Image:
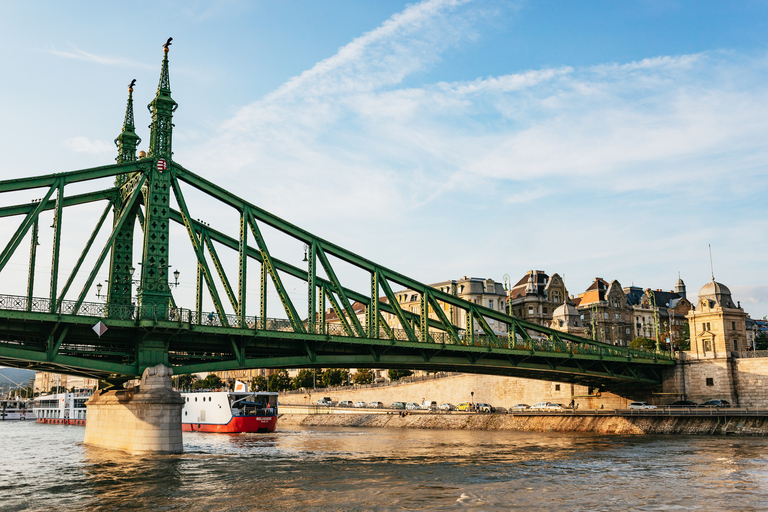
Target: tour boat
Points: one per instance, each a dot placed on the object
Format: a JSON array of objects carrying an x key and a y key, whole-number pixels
[
  {"x": 62, "y": 408},
  {"x": 229, "y": 411},
  {"x": 16, "y": 409}
]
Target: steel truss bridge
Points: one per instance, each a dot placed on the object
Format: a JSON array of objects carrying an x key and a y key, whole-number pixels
[{"x": 55, "y": 332}]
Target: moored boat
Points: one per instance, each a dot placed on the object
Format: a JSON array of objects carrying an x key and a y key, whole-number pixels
[
  {"x": 16, "y": 409},
  {"x": 229, "y": 411},
  {"x": 62, "y": 408}
]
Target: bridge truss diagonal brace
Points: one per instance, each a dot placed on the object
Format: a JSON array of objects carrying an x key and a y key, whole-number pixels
[
  {"x": 27, "y": 223},
  {"x": 83, "y": 254},
  {"x": 107, "y": 247},
  {"x": 339, "y": 313},
  {"x": 220, "y": 270},
  {"x": 451, "y": 329},
  {"x": 267, "y": 263},
  {"x": 395, "y": 305},
  {"x": 348, "y": 309},
  {"x": 197, "y": 246}
]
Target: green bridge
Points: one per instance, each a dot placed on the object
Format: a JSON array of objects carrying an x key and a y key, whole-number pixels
[{"x": 138, "y": 323}]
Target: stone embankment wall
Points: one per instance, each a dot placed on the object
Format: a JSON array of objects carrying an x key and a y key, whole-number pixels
[
  {"x": 492, "y": 389},
  {"x": 598, "y": 424},
  {"x": 742, "y": 381}
]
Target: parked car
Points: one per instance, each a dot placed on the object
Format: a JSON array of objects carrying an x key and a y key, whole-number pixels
[
  {"x": 412, "y": 406},
  {"x": 716, "y": 403},
  {"x": 346, "y": 403},
  {"x": 520, "y": 407},
  {"x": 464, "y": 407},
  {"x": 376, "y": 405},
  {"x": 325, "y": 402},
  {"x": 481, "y": 407},
  {"x": 360, "y": 404},
  {"x": 429, "y": 405},
  {"x": 397, "y": 405},
  {"x": 640, "y": 405},
  {"x": 539, "y": 406},
  {"x": 683, "y": 403},
  {"x": 554, "y": 407},
  {"x": 446, "y": 407}
]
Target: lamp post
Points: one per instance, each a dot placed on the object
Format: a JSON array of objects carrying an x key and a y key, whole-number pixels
[{"x": 472, "y": 394}]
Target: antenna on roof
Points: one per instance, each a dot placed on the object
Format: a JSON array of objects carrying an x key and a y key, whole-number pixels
[{"x": 711, "y": 268}]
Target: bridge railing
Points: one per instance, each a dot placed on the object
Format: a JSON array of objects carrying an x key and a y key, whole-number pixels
[{"x": 187, "y": 316}]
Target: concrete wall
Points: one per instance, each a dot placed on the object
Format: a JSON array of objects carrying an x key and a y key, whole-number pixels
[
  {"x": 495, "y": 390},
  {"x": 741, "y": 381}
]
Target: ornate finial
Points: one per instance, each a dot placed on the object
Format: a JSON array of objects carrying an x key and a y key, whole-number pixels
[
  {"x": 162, "y": 108},
  {"x": 127, "y": 141}
]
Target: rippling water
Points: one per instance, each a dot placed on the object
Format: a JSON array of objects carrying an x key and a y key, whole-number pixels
[{"x": 46, "y": 467}]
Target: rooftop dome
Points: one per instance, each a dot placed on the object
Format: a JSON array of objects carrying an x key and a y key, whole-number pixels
[
  {"x": 714, "y": 288},
  {"x": 565, "y": 309},
  {"x": 717, "y": 294}
]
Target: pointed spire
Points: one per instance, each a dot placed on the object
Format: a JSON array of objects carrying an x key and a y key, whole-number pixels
[
  {"x": 127, "y": 141},
  {"x": 162, "y": 108}
]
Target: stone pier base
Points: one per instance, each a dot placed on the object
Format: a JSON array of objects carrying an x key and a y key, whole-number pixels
[{"x": 147, "y": 421}]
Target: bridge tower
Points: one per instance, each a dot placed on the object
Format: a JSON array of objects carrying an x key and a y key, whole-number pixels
[{"x": 121, "y": 256}]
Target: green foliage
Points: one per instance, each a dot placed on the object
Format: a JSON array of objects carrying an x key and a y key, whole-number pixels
[
  {"x": 363, "y": 376},
  {"x": 279, "y": 381},
  {"x": 643, "y": 343},
  {"x": 335, "y": 377},
  {"x": 259, "y": 383},
  {"x": 761, "y": 342},
  {"x": 185, "y": 381},
  {"x": 305, "y": 379},
  {"x": 398, "y": 374},
  {"x": 212, "y": 381}
]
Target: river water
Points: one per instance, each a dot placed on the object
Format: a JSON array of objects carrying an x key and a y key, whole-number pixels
[{"x": 46, "y": 467}]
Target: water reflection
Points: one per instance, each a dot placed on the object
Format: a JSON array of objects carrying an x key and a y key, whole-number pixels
[{"x": 297, "y": 469}]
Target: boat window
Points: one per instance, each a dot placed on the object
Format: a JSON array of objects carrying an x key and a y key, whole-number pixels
[{"x": 195, "y": 399}]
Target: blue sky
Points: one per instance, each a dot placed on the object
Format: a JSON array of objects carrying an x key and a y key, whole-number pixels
[{"x": 440, "y": 138}]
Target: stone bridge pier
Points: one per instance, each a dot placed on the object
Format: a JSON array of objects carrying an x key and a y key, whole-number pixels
[{"x": 144, "y": 421}]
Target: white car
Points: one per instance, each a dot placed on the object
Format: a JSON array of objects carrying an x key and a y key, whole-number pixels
[
  {"x": 539, "y": 406},
  {"x": 412, "y": 406},
  {"x": 376, "y": 405},
  {"x": 640, "y": 405},
  {"x": 360, "y": 405},
  {"x": 446, "y": 407}
]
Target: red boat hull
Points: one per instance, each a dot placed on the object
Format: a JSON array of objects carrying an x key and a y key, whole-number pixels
[
  {"x": 238, "y": 424},
  {"x": 61, "y": 421}
]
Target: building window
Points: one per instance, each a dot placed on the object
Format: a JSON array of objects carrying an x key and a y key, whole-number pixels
[
  {"x": 490, "y": 303},
  {"x": 710, "y": 381},
  {"x": 557, "y": 387},
  {"x": 605, "y": 315},
  {"x": 733, "y": 325},
  {"x": 707, "y": 345},
  {"x": 627, "y": 330},
  {"x": 708, "y": 328},
  {"x": 545, "y": 311},
  {"x": 530, "y": 310}
]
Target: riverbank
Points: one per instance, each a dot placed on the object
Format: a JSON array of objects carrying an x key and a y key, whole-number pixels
[{"x": 675, "y": 425}]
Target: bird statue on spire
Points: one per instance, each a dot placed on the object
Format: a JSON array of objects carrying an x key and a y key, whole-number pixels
[
  {"x": 130, "y": 86},
  {"x": 167, "y": 43}
]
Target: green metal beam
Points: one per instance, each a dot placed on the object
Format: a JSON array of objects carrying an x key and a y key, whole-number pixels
[
  {"x": 336, "y": 284},
  {"x": 69, "y": 177}
]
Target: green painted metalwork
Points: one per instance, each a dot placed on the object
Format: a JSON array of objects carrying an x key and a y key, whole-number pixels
[
  {"x": 54, "y": 333},
  {"x": 32, "y": 259}
]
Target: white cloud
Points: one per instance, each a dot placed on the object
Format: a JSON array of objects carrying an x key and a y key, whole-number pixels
[
  {"x": 92, "y": 147},
  {"x": 78, "y": 54}
]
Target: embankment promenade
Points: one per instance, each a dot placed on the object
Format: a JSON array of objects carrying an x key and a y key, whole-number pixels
[{"x": 714, "y": 422}]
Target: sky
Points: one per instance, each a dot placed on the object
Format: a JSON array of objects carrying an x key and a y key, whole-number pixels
[{"x": 441, "y": 138}]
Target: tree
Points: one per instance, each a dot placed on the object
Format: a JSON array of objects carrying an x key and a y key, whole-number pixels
[
  {"x": 398, "y": 374},
  {"x": 185, "y": 381},
  {"x": 363, "y": 376},
  {"x": 259, "y": 382},
  {"x": 761, "y": 342},
  {"x": 335, "y": 377},
  {"x": 685, "y": 340},
  {"x": 212, "y": 381},
  {"x": 279, "y": 381},
  {"x": 643, "y": 343},
  {"x": 304, "y": 379}
]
